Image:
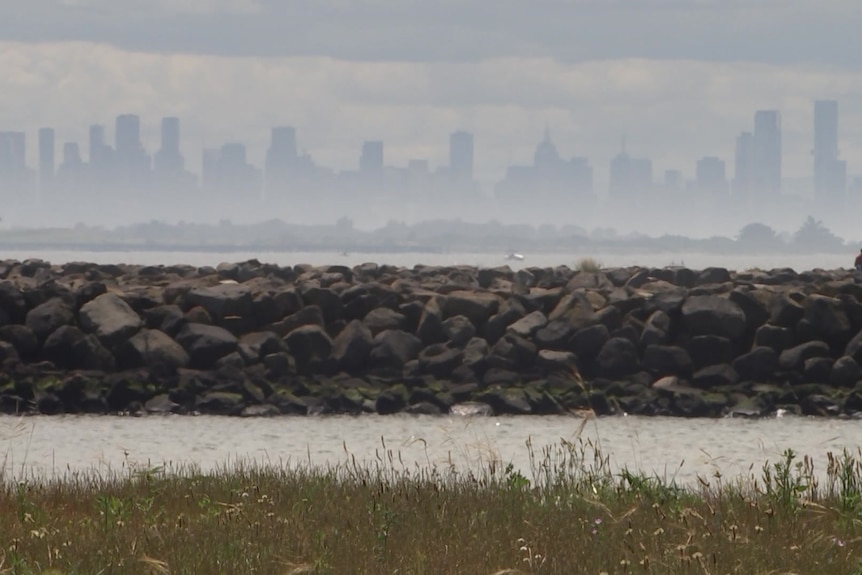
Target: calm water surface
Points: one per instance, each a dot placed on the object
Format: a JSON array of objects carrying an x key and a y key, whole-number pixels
[
  {"x": 671, "y": 447},
  {"x": 799, "y": 262}
]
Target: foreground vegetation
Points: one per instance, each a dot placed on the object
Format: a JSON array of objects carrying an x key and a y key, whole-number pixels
[{"x": 571, "y": 514}]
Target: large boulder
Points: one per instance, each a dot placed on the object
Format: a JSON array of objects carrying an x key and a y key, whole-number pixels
[
  {"x": 153, "y": 348},
  {"x": 528, "y": 325},
  {"x": 667, "y": 360},
  {"x": 656, "y": 330},
  {"x": 706, "y": 350},
  {"x": 307, "y": 344},
  {"x": 12, "y": 302},
  {"x": 478, "y": 307},
  {"x": 22, "y": 338},
  {"x": 394, "y": 348},
  {"x": 110, "y": 318},
  {"x": 555, "y": 335},
  {"x": 713, "y": 315},
  {"x": 352, "y": 346},
  {"x": 827, "y": 318},
  {"x": 46, "y": 318},
  {"x": 845, "y": 372},
  {"x": 589, "y": 341},
  {"x": 69, "y": 348},
  {"x": 617, "y": 358},
  {"x": 774, "y": 336},
  {"x": 430, "y": 329},
  {"x": 384, "y": 318},
  {"x": 757, "y": 365},
  {"x": 206, "y": 344},
  {"x": 222, "y": 300},
  {"x": 459, "y": 330},
  {"x": 793, "y": 359},
  {"x": 510, "y": 311}
]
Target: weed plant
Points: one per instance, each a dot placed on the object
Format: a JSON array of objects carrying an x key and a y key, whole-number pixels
[
  {"x": 568, "y": 514},
  {"x": 590, "y": 265}
]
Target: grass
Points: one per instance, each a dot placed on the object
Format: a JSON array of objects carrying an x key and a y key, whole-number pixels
[
  {"x": 590, "y": 265},
  {"x": 568, "y": 514}
]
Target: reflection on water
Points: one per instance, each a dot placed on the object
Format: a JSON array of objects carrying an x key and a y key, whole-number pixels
[{"x": 680, "y": 448}]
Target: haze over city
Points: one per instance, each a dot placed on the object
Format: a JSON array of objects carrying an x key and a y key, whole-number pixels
[{"x": 677, "y": 81}]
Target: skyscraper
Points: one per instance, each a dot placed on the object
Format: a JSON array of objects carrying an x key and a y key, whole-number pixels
[
  {"x": 371, "y": 160},
  {"x": 132, "y": 161},
  {"x": 461, "y": 155},
  {"x": 169, "y": 162},
  {"x": 13, "y": 153},
  {"x": 281, "y": 159},
  {"x": 830, "y": 173},
  {"x": 743, "y": 168},
  {"x": 100, "y": 154},
  {"x": 766, "y": 153},
  {"x": 46, "y": 157}
]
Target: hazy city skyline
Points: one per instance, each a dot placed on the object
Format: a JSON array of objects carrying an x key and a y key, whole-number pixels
[
  {"x": 755, "y": 169},
  {"x": 680, "y": 79}
]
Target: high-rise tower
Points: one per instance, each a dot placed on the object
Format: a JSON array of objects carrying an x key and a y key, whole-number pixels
[{"x": 830, "y": 173}]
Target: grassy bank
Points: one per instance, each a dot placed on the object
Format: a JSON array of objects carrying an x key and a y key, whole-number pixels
[{"x": 571, "y": 514}]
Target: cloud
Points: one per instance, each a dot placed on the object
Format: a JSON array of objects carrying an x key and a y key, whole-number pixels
[
  {"x": 673, "y": 111},
  {"x": 774, "y": 31}
]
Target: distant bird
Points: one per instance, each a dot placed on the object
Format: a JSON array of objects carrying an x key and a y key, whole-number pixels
[{"x": 515, "y": 256}]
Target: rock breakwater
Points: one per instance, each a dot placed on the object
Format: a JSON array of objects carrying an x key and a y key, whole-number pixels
[{"x": 256, "y": 339}]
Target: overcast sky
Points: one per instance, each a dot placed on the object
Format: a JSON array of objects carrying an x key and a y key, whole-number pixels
[{"x": 681, "y": 78}]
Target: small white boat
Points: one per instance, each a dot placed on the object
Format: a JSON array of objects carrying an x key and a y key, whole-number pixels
[{"x": 515, "y": 256}]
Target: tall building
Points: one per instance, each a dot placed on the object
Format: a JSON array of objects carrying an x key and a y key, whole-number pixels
[
  {"x": 766, "y": 153},
  {"x": 711, "y": 176},
  {"x": 100, "y": 153},
  {"x": 281, "y": 159},
  {"x": 830, "y": 173},
  {"x": 744, "y": 165},
  {"x": 13, "y": 153},
  {"x": 550, "y": 181},
  {"x": 371, "y": 160},
  {"x": 132, "y": 161},
  {"x": 47, "y": 160},
  {"x": 630, "y": 177},
  {"x": 461, "y": 155},
  {"x": 168, "y": 162}
]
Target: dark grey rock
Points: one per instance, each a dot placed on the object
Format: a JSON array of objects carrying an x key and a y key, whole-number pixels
[
  {"x": 618, "y": 358},
  {"x": 46, "y": 318},
  {"x": 394, "y": 348},
  {"x": 706, "y": 350},
  {"x": 352, "y": 347},
  {"x": 153, "y": 348},
  {"x": 719, "y": 375},
  {"x": 667, "y": 360},
  {"x": 555, "y": 335},
  {"x": 757, "y": 365},
  {"x": 383, "y": 318},
  {"x": 588, "y": 342},
  {"x": 777, "y": 337},
  {"x": 110, "y": 318},
  {"x": 713, "y": 315},
  {"x": 818, "y": 369},
  {"x": 206, "y": 344},
  {"x": 440, "y": 360},
  {"x": 222, "y": 300},
  {"x": 22, "y": 338},
  {"x": 430, "y": 329},
  {"x": 845, "y": 372},
  {"x": 477, "y": 306},
  {"x": 528, "y": 325},
  {"x": 793, "y": 359},
  {"x": 459, "y": 330}
]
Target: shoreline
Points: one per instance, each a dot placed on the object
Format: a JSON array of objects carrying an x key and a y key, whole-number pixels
[{"x": 257, "y": 339}]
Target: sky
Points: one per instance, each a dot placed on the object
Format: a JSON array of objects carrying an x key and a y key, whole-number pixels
[{"x": 679, "y": 78}]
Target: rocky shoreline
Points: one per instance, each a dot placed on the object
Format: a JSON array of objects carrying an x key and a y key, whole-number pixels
[{"x": 254, "y": 339}]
